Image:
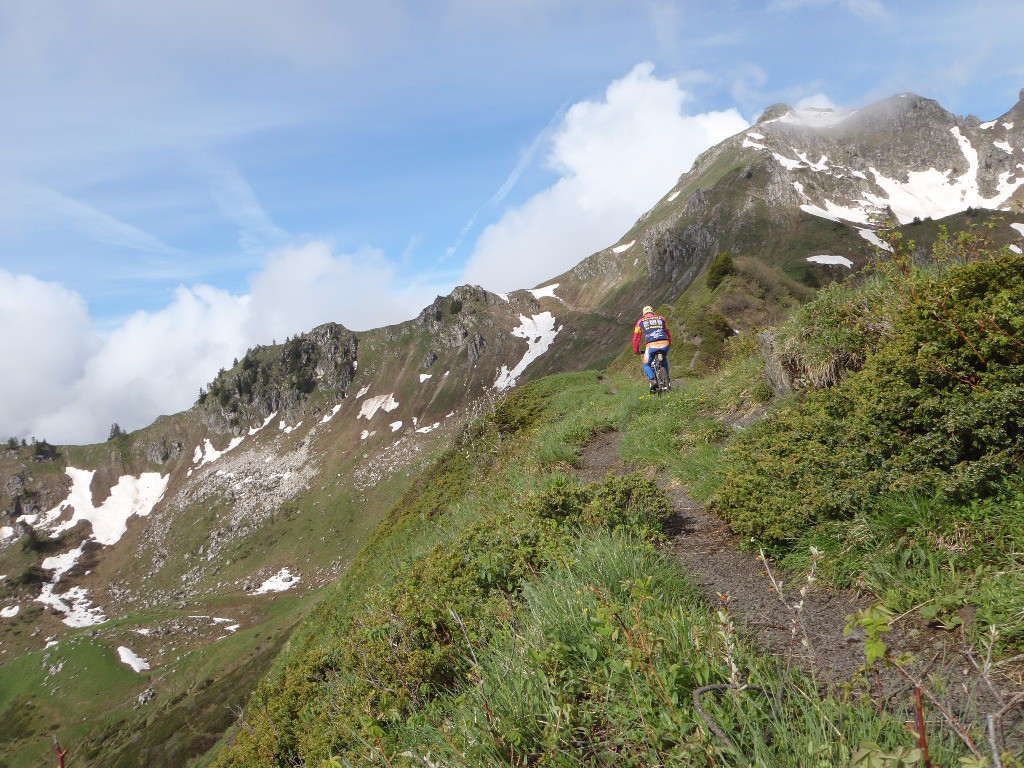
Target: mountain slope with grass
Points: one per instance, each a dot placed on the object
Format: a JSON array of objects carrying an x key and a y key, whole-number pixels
[{"x": 322, "y": 489}]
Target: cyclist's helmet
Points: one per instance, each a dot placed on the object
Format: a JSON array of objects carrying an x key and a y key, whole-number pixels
[{"x": 648, "y": 310}]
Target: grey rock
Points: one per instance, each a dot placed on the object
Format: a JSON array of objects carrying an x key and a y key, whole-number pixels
[{"x": 778, "y": 377}]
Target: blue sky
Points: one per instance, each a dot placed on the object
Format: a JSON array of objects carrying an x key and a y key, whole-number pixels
[{"x": 179, "y": 181}]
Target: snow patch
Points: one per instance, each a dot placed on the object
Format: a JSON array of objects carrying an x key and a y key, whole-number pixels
[
  {"x": 547, "y": 290},
  {"x": 431, "y": 428},
  {"x": 10, "y": 611},
  {"x": 209, "y": 454},
  {"x": 1016, "y": 249},
  {"x": 874, "y": 239},
  {"x": 386, "y": 403},
  {"x": 539, "y": 332},
  {"x": 624, "y": 247},
  {"x": 395, "y": 426},
  {"x": 132, "y": 659},
  {"x": 821, "y": 165},
  {"x": 986, "y": 126},
  {"x": 1003, "y": 145},
  {"x": 785, "y": 162},
  {"x": 61, "y": 564},
  {"x": 819, "y": 212},
  {"x": 289, "y": 430},
  {"x": 367, "y": 434},
  {"x": 673, "y": 196},
  {"x": 362, "y": 391},
  {"x": 131, "y": 496},
  {"x": 279, "y": 582},
  {"x": 254, "y": 430},
  {"x": 1008, "y": 126},
  {"x": 425, "y": 376},
  {"x": 831, "y": 260},
  {"x": 1019, "y": 228},
  {"x": 932, "y": 193},
  {"x": 328, "y": 416},
  {"x": 834, "y": 212},
  {"x": 75, "y": 604}
]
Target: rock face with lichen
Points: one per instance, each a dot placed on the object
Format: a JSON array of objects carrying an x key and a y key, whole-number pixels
[{"x": 278, "y": 379}]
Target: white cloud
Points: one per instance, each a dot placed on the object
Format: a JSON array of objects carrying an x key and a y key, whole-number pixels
[
  {"x": 67, "y": 385},
  {"x": 818, "y": 101},
  {"x": 305, "y": 286},
  {"x": 615, "y": 158},
  {"x": 46, "y": 341},
  {"x": 235, "y": 198},
  {"x": 91, "y": 221}
]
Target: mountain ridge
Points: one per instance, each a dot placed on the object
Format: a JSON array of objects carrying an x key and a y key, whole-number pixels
[{"x": 292, "y": 456}]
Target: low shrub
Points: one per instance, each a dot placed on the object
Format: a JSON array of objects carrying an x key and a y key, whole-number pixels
[{"x": 939, "y": 407}]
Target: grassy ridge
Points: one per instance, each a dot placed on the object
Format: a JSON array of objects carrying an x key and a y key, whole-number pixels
[{"x": 508, "y": 614}]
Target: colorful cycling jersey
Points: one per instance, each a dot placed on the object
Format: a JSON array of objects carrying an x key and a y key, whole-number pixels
[{"x": 653, "y": 328}]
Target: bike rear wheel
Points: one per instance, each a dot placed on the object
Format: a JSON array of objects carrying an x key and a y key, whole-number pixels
[{"x": 660, "y": 376}]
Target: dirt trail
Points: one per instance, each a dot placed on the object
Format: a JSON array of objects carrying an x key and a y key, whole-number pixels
[{"x": 708, "y": 550}]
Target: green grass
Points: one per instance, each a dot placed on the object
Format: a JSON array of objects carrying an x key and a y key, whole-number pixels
[
  {"x": 507, "y": 614},
  {"x": 80, "y": 691},
  {"x": 600, "y": 667}
]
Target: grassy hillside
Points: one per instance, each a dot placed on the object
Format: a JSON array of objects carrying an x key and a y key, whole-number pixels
[{"x": 508, "y": 613}]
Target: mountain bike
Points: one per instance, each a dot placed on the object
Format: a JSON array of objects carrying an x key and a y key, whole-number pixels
[{"x": 660, "y": 372}]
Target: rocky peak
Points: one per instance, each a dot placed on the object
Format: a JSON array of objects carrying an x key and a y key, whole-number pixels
[
  {"x": 774, "y": 112},
  {"x": 281, "y": 377}
]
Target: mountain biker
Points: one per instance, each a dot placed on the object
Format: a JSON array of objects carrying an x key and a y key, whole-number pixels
[{"x": 653, "y": 331}]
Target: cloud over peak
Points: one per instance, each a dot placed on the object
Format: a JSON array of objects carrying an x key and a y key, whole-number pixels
[{"x": 615, "y": 158}]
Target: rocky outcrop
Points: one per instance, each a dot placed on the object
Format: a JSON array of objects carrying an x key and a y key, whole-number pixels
[
  {"x": 447, "y": 317},
  {"x": 775, "y": 371},
  {"x": 280, "y": 378}
]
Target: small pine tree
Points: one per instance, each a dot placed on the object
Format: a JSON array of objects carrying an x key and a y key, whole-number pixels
[
  {"x": 721, "y": 267},
  {"x": 115, "y": 431}
]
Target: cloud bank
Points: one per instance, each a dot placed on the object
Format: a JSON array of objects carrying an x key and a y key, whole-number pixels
[
  {"x": 68, "y": 384},
  {"x": 615, "y": 159}
]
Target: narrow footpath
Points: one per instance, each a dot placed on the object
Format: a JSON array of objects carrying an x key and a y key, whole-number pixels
[{"x": 709, "y": 552}]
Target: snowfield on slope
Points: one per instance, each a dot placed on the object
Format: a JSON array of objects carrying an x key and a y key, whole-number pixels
[
  {"x": 840, "y": 261},
  {"x": 386, "y": 403},
  {"x": 547, "y": 290},
  {"x": 279, "y": 582},
  {"x": 539, "y": 332},
  {"x": 109, "y": 521},
  {"x": 931, "y": 193},
  {"x": 132, "y": 659}
]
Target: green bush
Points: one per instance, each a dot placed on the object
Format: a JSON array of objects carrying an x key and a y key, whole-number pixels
[
  {"x": 939, "y": 406},
  {"x": 721, "y": 267}
]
